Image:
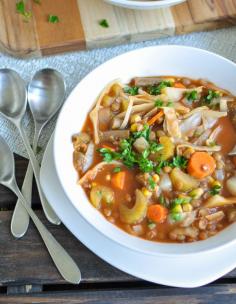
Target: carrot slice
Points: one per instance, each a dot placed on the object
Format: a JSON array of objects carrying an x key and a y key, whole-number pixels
[
  {"x": 201, "y": 164},
  {"x": 157, "y": 213},
  {"x": 118, "y": 180},
  {"x": 179, "y": 85},
  {"x": 155, "y": 118}
]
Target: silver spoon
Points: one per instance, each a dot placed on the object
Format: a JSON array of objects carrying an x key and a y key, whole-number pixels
[
  {"x": 64, "y": 263},
  {"x": 13, "y": 101},
  {"x": 46, "y": 93}
]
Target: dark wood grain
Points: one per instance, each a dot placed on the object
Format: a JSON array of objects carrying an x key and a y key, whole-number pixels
[
  {"x": 7, "y": 198},
  {"x": 219, "y": 294},
  {"x": 26, "y": 261}
]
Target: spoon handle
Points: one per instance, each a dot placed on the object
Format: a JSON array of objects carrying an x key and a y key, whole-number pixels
[
  {"x": 64, "y": 263},
  {"x": 50, "y": 214},
  {"x": 20, "y": 217}
]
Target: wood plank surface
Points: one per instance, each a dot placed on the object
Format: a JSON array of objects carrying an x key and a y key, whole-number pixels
[
  {"x": 212, "y": 294},
  {"x": 79, "y": 27}
]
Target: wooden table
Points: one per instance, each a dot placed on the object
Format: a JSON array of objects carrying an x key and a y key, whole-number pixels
[{"x": 27, "y": 274}]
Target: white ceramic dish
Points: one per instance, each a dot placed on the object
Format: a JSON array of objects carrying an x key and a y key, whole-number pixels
[
  {"x": 144, "y": 5},
  {"x": 179, "y": 271},
  {"x": 160, "y": 60}
]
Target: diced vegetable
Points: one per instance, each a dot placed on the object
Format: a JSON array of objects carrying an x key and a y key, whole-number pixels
[
  {"x": 155, "y": 118},
  {"x": 168, "y": 148},
  {"x": 201, "y": 164},
  {"x": 118, "y": 180},
  {"x": 182, "y": 181},
  {"x": 219, "y": 201},
  {"x": 179, "y": 85},
  {"x": 231, "y": 185},
  {"x": 100, "y": 194},
  {"x": 157, "y": 213},
  {"x": 196, "y": 193},
  {"x": 141, "y": 144},
  {"x": 137, "y": 213}
]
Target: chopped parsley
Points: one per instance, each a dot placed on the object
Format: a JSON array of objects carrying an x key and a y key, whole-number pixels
[
  {"x": 179, "y": 162},
  {"x": 210, "y": 96},
  {"x": 116, "y": 169},
  {"x": 145, "y": 132},
  {"x": 159, "y": 103},
  {"x": 161, "y": 164},
  {"x": 191, "y": 96},
  {"x": 155, "y": 147},
  {"x": 104, "y": 23},
  {"x": 21, "y": 9},
  {"x": 170, "y": 104},
  {"x": 156, "y": 89},
  {"x": 151, "y": 183},
  {"x": 53, "y": 19},
  {"x": 131, "y": 90},
  {"x": 215, "y": 190}
]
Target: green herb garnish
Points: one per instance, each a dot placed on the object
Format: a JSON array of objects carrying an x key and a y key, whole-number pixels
[
  {"x": 117, "y": 169},
  {"x": 20, "y": 8},
  {"x": 104, "y": 23},
  {"x": 191, "y": 96},
  {"x": 211, "y": 95},
  {"x": 131, "y": 90},
  {"x": 162, "y": 200},
  {"x": 155, "y": 147},
  {"x": 144, "y": 133},
  {"x": 53, "y": 19},
  {"x": 215, "y": 190},
  {"x": 170, "y": 104},
  {"x": 151, "y": 183},
  {"x": 179, "y": 162},
  {"x": 159, "y": 103},
  {"x": 156, "y": 89}
]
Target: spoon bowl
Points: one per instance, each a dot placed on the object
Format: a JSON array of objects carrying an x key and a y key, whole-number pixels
[
  {"x": 46, "y": 93},
  {"x": 13, "y": 96}
]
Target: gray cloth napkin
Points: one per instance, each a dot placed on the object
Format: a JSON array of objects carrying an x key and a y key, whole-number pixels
[{"x": 74, "y": 66}]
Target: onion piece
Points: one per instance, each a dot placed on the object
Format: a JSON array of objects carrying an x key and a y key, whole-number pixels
[
  {"x": 219, "y": 201},
  {"x": 165, "y": 183},
  {"x": 89, "y": 157}
]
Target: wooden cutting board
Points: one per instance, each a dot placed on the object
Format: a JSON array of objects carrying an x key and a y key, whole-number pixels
[{"x": 79, "y": 27}]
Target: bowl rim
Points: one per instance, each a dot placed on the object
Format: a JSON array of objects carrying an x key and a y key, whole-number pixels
[
  {"x": 189, "y": 246},
  {"x": 144, "y": 4}
]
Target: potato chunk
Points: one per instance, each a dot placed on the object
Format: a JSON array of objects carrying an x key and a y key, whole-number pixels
[{"x": 182, "y": 181}]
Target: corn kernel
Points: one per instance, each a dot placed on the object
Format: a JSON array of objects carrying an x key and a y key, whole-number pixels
[
  {"x": 94, "y": 184},
  {"x": 133, "y": 127},
  {"x": 146, "y": 192},
  {"x": 187, "y": 207},
  {"x": 156, "y": 178},
  {"x": 196, "y": 193},
  {"x": 135, "y": 118},
  {"x": 177, "y": 209}
]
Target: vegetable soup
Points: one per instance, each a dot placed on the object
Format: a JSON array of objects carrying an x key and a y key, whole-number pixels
[{"x": 157, "y": 157}]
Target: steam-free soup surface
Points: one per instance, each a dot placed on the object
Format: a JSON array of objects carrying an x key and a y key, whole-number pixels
[{"x": 156, "y": 158}]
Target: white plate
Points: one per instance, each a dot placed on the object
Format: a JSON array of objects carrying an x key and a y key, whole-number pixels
[
  {"x": 178, "y": 271},
  {"x": 144, "y": 4}
]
